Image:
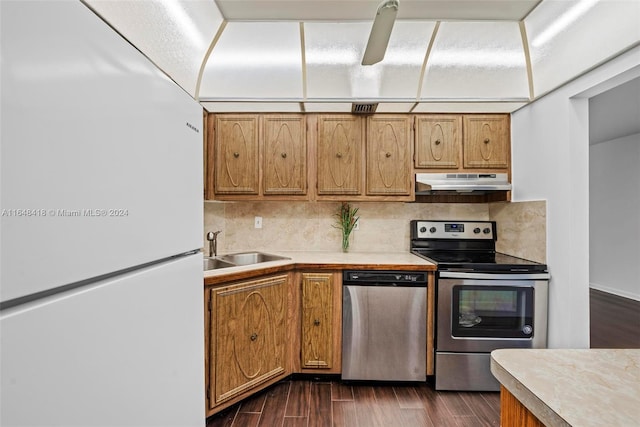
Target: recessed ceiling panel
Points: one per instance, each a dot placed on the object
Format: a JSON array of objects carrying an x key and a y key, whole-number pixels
[
  {"x": 174, "y": 34},
  {"x": 255, "y": 60},
  {"x": 331, "y": 10},
  {"x": 334, "y": 55},
  {"x": 568, "y": 38},
  {"x": 470, "y": 10},
  {"x": 476, "y": 60}
]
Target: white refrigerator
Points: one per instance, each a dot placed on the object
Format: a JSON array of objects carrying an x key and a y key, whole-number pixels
[{"x": 101, "y": 297}]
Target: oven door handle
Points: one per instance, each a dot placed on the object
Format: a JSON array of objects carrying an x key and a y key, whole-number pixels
[{"x": 493, "y": 276}]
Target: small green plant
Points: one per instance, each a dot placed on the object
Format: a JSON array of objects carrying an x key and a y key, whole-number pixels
[{"x": 346, "y": 219}]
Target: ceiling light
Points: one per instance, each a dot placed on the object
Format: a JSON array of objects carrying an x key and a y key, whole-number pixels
[{"x": 380, "y": 32}]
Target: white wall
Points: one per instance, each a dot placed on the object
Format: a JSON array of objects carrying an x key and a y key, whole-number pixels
[
  {"x": 614, "y": 174},
  {"x": 550, "y": 155}
]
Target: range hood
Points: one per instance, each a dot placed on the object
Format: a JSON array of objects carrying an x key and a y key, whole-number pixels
[{"x": 465, "y": 183}]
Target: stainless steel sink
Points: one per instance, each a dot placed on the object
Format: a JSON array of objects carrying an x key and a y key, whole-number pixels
[
  {"x": 215, "y": 263},
  {"x": 243, "y": 258},
  {"x": 248, "y": 258}
]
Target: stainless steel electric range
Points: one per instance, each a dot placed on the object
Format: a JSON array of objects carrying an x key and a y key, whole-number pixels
[{"x": 485, "y": 300}]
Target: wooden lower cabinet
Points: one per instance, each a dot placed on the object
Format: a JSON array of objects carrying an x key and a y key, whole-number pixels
[
  {"x": 513, "y": 413},
  {"x": 320, "y": 320},
  {"x": 258, "y": 331},
  {"x": 248, "y": 338}
]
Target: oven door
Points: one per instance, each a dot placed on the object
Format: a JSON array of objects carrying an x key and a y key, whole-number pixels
[{"x": 480, "y": 312}]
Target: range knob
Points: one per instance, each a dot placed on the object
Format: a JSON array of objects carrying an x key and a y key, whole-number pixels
[
  {"x": 423, "y": 229},
  {"x": 486, "y": 230},
  {"x": 476, "y": 230},
  {"x": 432, "y": 230}
]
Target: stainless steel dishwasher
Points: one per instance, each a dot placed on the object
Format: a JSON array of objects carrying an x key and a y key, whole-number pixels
[{"x": 384, "y": 325}]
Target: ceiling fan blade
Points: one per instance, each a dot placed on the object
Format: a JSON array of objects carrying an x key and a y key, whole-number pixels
[{"x": 380, "y": 32}]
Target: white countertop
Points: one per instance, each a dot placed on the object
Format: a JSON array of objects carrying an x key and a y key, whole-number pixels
[
  {"x": 367, "y": 259},
  {"x": 564, "y": 387}
]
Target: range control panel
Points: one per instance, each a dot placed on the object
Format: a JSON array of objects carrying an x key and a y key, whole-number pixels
[{"x": 453, "y": 229}]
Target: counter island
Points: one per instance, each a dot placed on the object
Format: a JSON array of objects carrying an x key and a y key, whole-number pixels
[{"x": 565, "y": 387}]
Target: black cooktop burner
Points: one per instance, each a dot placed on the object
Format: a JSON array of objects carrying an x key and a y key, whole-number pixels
[
  {"x": 479, "y": 261},
  {"x": 444, "y": 257}
]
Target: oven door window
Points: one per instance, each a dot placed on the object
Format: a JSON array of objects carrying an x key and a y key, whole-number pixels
[{"x": 492, "y": 311}]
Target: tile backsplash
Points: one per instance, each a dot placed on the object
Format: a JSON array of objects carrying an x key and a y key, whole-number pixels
[
  {"x": 308, "y": 226},
  {"x": 522, "y": 228},
  {"x": 384, "y": 226}
]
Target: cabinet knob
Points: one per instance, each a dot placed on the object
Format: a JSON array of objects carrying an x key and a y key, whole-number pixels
[
  {"x": 486, "y": 141},
  {"x": 316, "y": 322},
  {"x": 284, "y": 155},
  {"x": 438, "y": 142},
  {"x": 338, "y": 155},
  {"x": 254, "y": 336},
  {"x": 236, "y": 155},
  {"x": 387, "y": 155}
]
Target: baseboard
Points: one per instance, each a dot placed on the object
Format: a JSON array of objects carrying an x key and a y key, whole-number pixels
[{"x": 624, "y": 294}]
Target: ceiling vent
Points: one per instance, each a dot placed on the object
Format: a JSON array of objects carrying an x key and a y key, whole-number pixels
[{"x": 368, "y": 108}]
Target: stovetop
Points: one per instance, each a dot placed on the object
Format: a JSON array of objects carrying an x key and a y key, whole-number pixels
[
  {"x": 479, "y": 261},
  {"x": 465, "y": 246}
]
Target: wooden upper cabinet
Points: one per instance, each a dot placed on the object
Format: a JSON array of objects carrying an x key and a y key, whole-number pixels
[
  {"x": 346, "y": 156},
  {"x": 317, "y": 321},
  {"x": 438, "y": 141},
  {"x": 236, "y": 154},
  {"x": 285, "y": 154},
  {"x": 389, "y": 155},
  {"x": 340, "y": 147},
  {"x": 486, "y": 142}
]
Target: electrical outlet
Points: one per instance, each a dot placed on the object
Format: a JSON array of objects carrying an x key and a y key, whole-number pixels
[
  {"x": 356, "y": 226},
  {"x": 258, "y": 222}
]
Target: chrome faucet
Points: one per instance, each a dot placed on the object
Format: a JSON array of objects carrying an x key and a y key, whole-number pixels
[{"x": 212, "y": 237}]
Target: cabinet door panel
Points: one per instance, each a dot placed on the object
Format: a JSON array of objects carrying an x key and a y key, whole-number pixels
[
  {"x": 389, "y": 156},
  {"x": 250, "y": 336},
  {"x": 438, "y": 141},
  {"x": 236, "y": 154},
  {"x": 340, "y": 155},
  {"x": 486, "y": 141},
  {"x": 285, "y": 155},
  {"x": 317, "y": 321}
]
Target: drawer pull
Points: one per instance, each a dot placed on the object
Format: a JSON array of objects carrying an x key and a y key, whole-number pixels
[
  {"x": 284, "y": 155},
  {"x": 316, "y": 322},
  {"x": 254, "y": 336},
  {"x": 438, "y": 142},
  {"x": 236, "y": 155},
  {"x": 486, "y": 141}
]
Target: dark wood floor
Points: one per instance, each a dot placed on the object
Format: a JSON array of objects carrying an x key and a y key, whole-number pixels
[
  {"x": 615, "y": 323},
  {"x": 614, "y": 320},
  {"x": 328, "y": 402}
]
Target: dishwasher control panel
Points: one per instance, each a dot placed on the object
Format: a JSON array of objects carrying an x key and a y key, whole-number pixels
[{"x": 382, "y": 278}]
